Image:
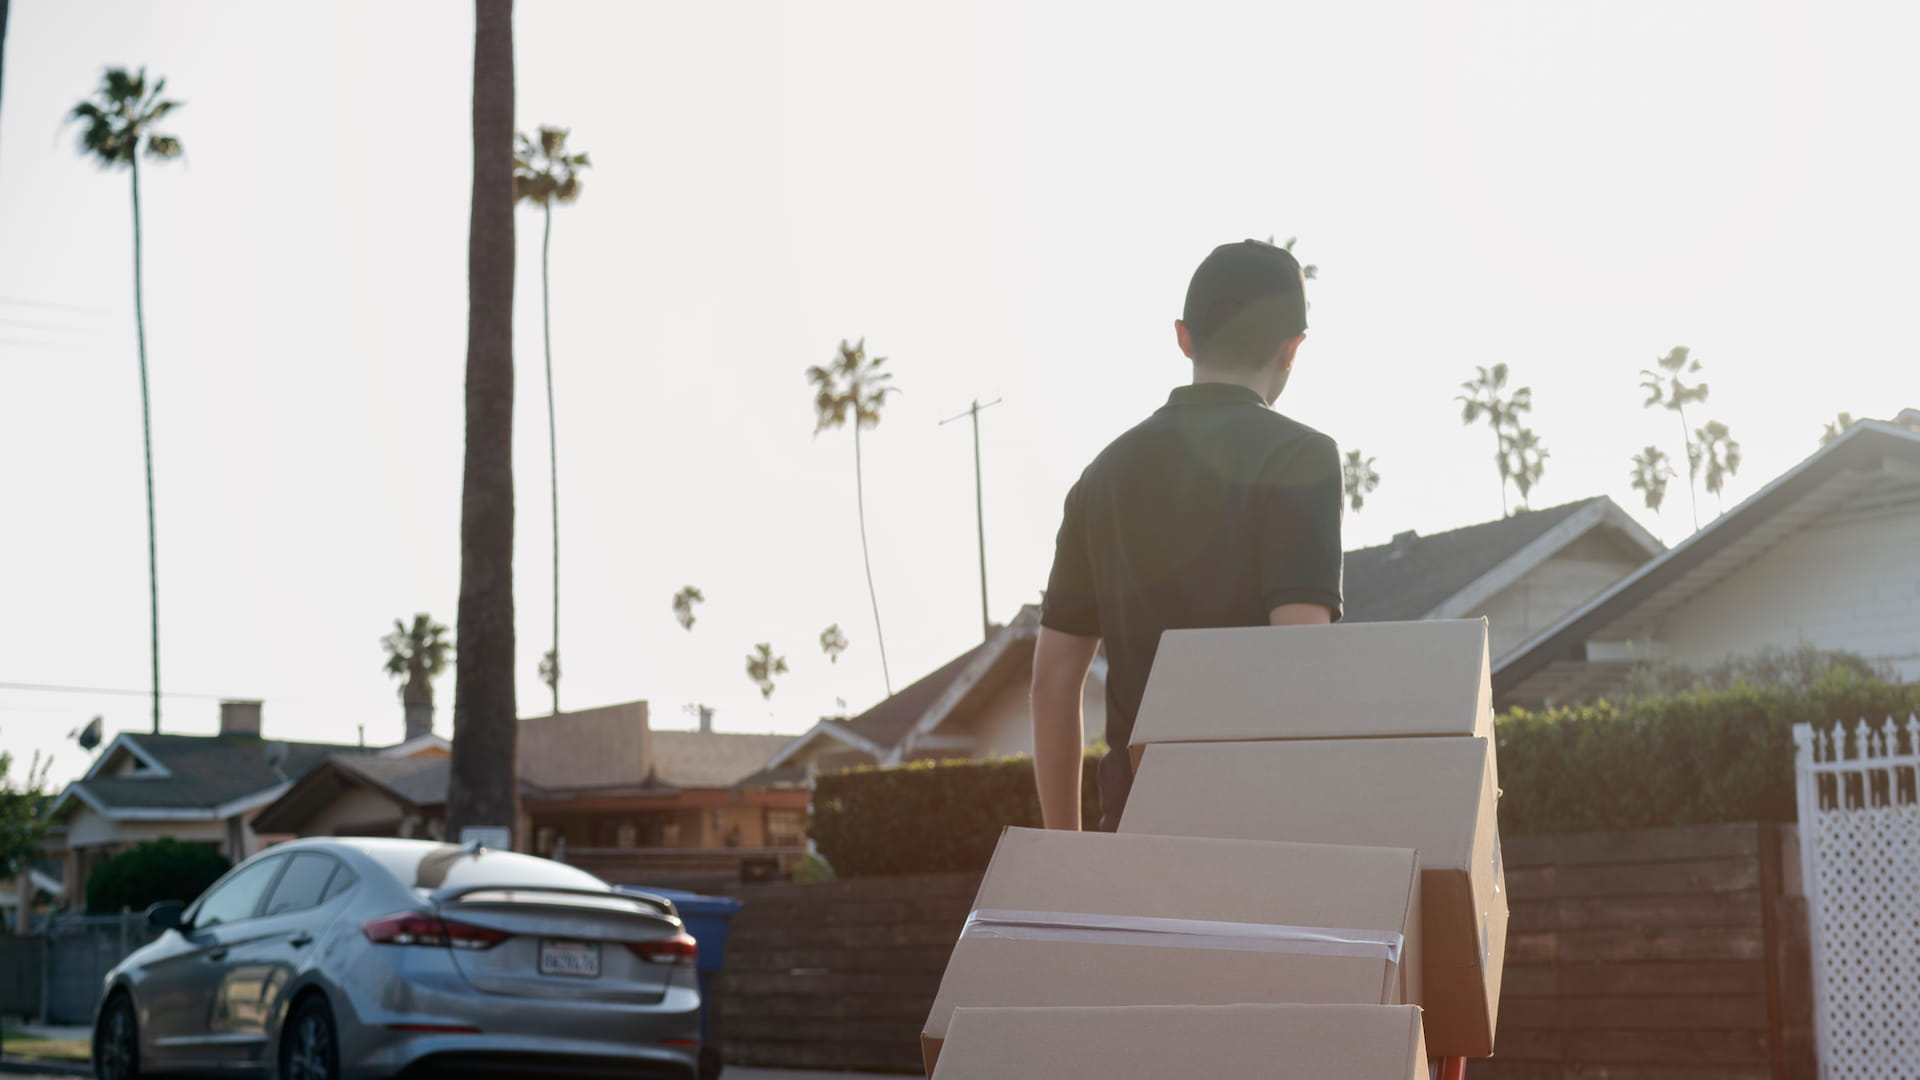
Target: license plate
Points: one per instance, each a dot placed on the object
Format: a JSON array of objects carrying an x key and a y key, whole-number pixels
[{"x": 580, "y": 959}]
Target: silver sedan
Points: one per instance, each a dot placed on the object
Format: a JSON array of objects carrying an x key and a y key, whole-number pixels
[{"x": 338, "y": 959}]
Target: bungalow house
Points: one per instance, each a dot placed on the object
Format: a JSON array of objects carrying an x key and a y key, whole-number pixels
[
  {"x": 598, "y": 788},
  {"x": 1827, "y": 554},
  {"x": 201, "y": 788},
  {"x": 1522, "y": 572}
]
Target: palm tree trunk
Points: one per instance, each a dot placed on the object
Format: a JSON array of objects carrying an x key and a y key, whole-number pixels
[
  {"x": 483, "y": 789},
  {"x": 1686, "y": 440},
  {"x": 146, "y": 435},
  {"x": 553, "y": 448},
  {"x": 860, "y": 500},
  {"x": 1500, "y": 462}
]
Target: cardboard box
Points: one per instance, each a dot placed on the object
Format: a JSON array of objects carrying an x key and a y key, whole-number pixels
[
  {"x": 1080, "y": 919},
  {"x": 1437, "y": 796},
  {"x": 1222, "y": 1042},
  {"x": 1348, "y": 680}
]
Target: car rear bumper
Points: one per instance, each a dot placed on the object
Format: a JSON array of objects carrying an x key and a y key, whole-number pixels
[{"x": 517, "y": 1035}]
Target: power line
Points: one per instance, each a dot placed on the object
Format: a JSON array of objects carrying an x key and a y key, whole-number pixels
[
  {"x": 49, "y": 346},
  {"x": 19, "y": 301},
  {"x": 54, "y": 688}
]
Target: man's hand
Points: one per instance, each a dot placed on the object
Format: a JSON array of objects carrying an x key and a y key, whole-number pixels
[
  {"x": 1300, "y": 615},
  {"x": 1060, "y": 665}
]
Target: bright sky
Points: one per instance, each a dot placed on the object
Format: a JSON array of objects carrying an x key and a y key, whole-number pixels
[{"x": 1005, "y": 199}]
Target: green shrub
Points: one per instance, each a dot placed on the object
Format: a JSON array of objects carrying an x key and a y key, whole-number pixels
[
  {"x": 163, "y": 869},
  {"x": 1694, "y": 758},
  {"x": 929, "y": 817}
]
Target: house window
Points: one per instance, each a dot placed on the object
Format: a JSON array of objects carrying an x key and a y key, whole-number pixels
[
  {"x": 627, "y": 835},
  {"x": 786, "y": 828}
]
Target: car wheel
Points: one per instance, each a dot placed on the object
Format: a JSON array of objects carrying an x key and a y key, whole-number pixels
[
  {"x": 309, "y": 1048},
  {"x": 116, "y": 1041},
  {"x": 711, "y": 1063}
]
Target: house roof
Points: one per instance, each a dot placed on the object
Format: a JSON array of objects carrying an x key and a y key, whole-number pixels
[
  {"x": 680, "y": 760},
  {"x": 711, "y": 759},
  {"x": 1412, "y": 575},
  {"x": 888, "y": 722},
  {"x": 1871, "y": 463},
  {"x": 196, "y": 774}
]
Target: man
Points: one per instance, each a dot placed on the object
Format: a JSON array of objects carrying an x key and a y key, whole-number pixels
[{"x": 1215, "y": 511}]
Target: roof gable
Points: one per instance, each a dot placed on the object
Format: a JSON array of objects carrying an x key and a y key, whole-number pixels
[
  {"x": 1868, "y": 455},
  {"x": 1412, "y": 576}
]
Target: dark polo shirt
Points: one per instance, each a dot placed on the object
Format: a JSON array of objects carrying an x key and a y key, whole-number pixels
[{"x": 1212, "y": 512}]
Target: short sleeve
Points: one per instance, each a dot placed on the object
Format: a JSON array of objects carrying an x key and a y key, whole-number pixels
[
  {"x": 1071, "y": 605},
  {"x": 1296, "y": 505}
]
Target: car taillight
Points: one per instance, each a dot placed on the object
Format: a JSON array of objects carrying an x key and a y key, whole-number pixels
[
  {"x": 680, "y": 950},
  {"x": 414, "y": 928}
]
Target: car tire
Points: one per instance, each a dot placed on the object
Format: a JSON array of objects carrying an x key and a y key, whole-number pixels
[
  {"x": 116, "y": 1040},
  {"x": 310, "y": 1044},
  {"x": 711, "y": 1063}
]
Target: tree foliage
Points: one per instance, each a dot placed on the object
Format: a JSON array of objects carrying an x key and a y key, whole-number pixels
[
  {"x": 1517, "y": 450},
  {"x": 763, "y": 666},
  {"x": 683, "y": 602},
  {"x": 22, "y": 813},
  {"x": 833, "y": 642},
  {"x": 417, "y": 655},
  {"x": 119, "y": 121},
  {"x": 1837, "y": 427},
  {"x": 1667, "y": 388},
  {"x": 1651, "y": 472},
  {"x": 1359, "y": 479},
  {"x": 163, "y": 869}
]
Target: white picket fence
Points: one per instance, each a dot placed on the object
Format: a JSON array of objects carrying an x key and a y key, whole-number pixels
[{"x": 1860, "y": 857}]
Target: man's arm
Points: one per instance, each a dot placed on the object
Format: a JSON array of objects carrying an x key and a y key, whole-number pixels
[{"x": 1060, "y": 664}]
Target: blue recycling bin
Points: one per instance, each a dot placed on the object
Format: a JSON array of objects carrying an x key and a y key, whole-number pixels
[{"x": 706, "y": 918}]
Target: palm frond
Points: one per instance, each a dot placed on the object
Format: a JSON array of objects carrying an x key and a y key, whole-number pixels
[{"x": 163, "y": 147}]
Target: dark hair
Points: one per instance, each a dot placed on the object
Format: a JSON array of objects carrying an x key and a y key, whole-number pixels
[{"x": 1245, "y": 301}]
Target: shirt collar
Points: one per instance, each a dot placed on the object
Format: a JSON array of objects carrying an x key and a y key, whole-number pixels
[{"x": 1212, "y": 393}]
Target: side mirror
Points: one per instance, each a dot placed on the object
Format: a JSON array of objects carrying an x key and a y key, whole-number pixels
[{"x": 165, "y": 915}]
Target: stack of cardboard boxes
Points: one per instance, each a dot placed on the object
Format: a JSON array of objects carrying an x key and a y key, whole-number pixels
[{"x": 1309, "y": 852}]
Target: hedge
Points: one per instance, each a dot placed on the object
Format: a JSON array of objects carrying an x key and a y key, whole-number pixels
[
  {"x": 929, "y": 817},
  {"x": 1694, "y": 758},
  {"x": 163, "y": 869}
]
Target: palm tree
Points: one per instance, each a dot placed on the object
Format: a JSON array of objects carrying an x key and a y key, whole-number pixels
[
  {"x": 854, "y": 386},
  {"x": 1665, "y": 389},
  {"x": 833, "y": 642},
  {"x": 1837, "y": 427},
  {"x": 1650, "y": 474},
  {"x": 544, "y": 173},
  {"x": 1483, "y": 397},
  {"x": 1717, "y": 454},
  {"x": 417, "y": 654},
  {"x": 119, "y": 122},
  {"x": 1360, "y": 479},
  {"x": 1529, "y": 461},
  {"x": 484, "y": 789},
  {"x": 683, "y": 602},
  {"x": 1308, "y": 272},
  {"x": 762, "y": 666}
]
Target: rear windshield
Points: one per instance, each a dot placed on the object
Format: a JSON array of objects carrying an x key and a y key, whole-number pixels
[{"x": 449, "y": 866}]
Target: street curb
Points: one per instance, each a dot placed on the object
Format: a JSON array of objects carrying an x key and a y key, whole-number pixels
[{"x": 44, "y": 1066}]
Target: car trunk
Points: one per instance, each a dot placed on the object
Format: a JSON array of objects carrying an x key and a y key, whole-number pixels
[{"x": 564, "y": 946}]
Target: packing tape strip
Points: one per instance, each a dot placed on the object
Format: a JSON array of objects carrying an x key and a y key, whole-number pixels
[{"x": 1008, "y": 925}]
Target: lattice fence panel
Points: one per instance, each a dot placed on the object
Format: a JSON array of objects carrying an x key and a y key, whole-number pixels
[{"x": 1860, "y": 852}]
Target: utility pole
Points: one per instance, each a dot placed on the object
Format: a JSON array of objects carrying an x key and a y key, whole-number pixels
[{"x": 979, "y": 508}]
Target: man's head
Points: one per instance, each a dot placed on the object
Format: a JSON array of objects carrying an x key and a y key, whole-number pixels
[{"x": 1245, "y": 316}]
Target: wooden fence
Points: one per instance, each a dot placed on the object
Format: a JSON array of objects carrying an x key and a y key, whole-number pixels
[{"x": 1648, "y": 955}]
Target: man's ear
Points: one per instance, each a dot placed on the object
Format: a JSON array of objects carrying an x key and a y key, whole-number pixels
[
  {"x": 1184, "y": 337},
  {"x": 1288, "y": 351}
]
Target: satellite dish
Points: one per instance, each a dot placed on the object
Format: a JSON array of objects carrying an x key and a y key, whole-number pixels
[{"x": 90, "y": 735}]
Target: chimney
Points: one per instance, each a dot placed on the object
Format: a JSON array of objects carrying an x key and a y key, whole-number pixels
[
  {"x": 240, "y": 719},
  {"x": 1402, "y": 543},
  {"x": 706, "y": 719},
  {"x": 419, "y": 720}
]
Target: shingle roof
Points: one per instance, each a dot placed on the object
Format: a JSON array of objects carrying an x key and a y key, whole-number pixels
[
  {"x": 711, "y": 759},
  {"x": 421, "y": 781},
  {"x": 1410, "y": 577},
  {"x": 888, "y": 722},
  {"x": 208, "y": 771}
]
